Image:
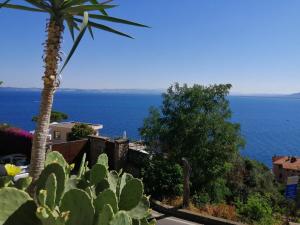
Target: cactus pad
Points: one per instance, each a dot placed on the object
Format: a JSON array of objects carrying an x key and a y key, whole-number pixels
[
  {"x": 104, "y": 198},
  {"x": 131, "y": 194},
  {"x": 141, "y": 210},
  {"x": 105, "y": 216},
  {"x": 103, "y": 160},
  {"x": 80, "y": 206},
  {"x": 56, "y": 157},
  {"x": 121, "y": 218},
  {"x": 17, "y": 208},
  {"x": 98, "y": 173},
  {"x": 51, "y": 186},
  {"x": 60, "y": 175}
]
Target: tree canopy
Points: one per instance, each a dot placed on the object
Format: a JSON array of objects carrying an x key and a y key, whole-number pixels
[
  {"x": 55, "y": 117},
  {"x": 80, "y": 131},
  {"x": 195, "y": 123}
]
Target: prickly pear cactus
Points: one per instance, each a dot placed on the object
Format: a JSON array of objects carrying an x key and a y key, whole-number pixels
[
  {"x": 17, "y": 207},
  {"x": 131, "y": 194},
  {"x": 60, "y": 175},
  {"x": 56, "y": 157},
  {"x": 103, "y": 160},
  {"x": 51, "y": 188},
  {"x": 97, "y": 174},
  {"x": 92, "y": 197},
  {"x": 104, "y": 198},
  {"x": 105, "y": 216},
  {"x": 80, "y": 206},
  {"x": 23, "y": 183},
  {"x": 121, "y": 218}
]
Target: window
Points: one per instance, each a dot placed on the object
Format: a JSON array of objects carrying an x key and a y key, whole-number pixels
[{"x": 57, "y": 135}]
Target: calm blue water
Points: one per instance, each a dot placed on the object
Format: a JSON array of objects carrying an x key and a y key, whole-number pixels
[{"x": 270, "y": 125}]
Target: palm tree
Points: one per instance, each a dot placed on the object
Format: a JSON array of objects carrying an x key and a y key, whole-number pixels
[{"x": 74, "y": 14}]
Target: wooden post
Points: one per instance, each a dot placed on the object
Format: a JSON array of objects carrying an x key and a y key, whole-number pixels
[{"x": 186, "y": 185}]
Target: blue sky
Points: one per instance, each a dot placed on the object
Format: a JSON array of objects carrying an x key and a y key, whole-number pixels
[{"x": 252, "y": 44}]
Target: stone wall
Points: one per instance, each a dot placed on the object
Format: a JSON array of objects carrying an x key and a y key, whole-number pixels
[{"x": 116, "y": 151}]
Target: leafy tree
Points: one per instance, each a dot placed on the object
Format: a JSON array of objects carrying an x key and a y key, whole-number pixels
[
  {"x": 74, "y": 14},
  {"x": 1, "y": 82},
  {"x": 162, "y": 178},
  {"x": 80, "y": 131},
  {"x": 194, "y": 122},
  {"x": 55, "y": 117}
]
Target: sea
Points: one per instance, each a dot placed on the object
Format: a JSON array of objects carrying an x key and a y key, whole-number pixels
[{"x": 270, "y": 124}]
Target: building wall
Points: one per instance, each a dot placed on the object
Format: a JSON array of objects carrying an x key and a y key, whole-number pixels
[
  {"x": 73, "y": 150},
  {"x": 63, "y": 134}
]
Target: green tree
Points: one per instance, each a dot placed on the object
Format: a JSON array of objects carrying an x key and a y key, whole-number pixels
[
  {"x": 80, "y": 131},
  {"x": 1, "y": 82},
  {"x": 194, "y": 122},
  {"x": 55, "y": 117},
  {"x": 74, "y": 14}
]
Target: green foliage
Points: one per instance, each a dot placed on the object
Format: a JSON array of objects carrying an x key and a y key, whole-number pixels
[
  {"x": 1, "y": 82},
  {"x": 55, "y": 117},
  {"x": 162, "y": 178},
  {"x": 15, "y": 203},
  {"x": 194, "y": 122},
  {"x": 257, "y": 210},
  {"x": 72, "y": 199},
  {"x": 80, "y": 131},
  {"x": 200, "y": 199},
  {"x": 248, "y": 177}
]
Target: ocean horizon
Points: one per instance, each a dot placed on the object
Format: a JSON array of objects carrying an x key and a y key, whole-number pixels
[{"x": 270, "y": 123}]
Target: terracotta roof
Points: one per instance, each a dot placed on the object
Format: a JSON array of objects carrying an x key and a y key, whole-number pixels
[{"x": 289, "y": 163}]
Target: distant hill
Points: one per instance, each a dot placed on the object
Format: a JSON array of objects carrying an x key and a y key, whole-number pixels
[
  {"x": 295, "y": 95},
  {"x": 117, "y": 91}
]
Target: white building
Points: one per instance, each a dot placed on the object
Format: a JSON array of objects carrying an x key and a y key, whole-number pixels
[{"x": 59, "y": 131}]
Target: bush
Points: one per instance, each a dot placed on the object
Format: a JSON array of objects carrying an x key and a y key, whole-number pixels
[
  {"x": 80, "y": 131},
  {"x": 162, "y": 178},
  {"x": 200, "y": 199},
  {"x": 256, "y": 210},
  {"x": 15, "y": 140}
]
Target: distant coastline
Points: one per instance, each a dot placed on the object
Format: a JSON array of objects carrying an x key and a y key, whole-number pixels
[
  {"x": 146, "y": 91},
  {"x": 110, "y": 91}
]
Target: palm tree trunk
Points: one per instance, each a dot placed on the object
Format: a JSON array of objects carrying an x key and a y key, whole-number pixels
[{"x": 52, "y": 58}]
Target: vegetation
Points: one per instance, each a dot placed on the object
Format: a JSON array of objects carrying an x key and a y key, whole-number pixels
[
  {"x": 257, "y": 210},
  {"x": 195, "y": 123},
  {"x": 91, "y": 197},
  {"x": 74, "y": 14},
  {"x": 55, "y": 117},
  {"x": 80, "y": 131},
  {"x": 1, "y": 82},
  {"x": 162, "y": 178}
]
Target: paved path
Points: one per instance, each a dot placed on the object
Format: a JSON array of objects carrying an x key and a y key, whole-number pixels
[{"x": 168, "y": 220}]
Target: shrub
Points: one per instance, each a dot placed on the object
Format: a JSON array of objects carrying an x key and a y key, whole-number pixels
[
  {"x": 256, "y": 210},
  {"x": 200, "y": 199},
  {"x": 15, "y": 140},
  {"x": 163, "y": 179},
  {"x": 80, "y": 131}
]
